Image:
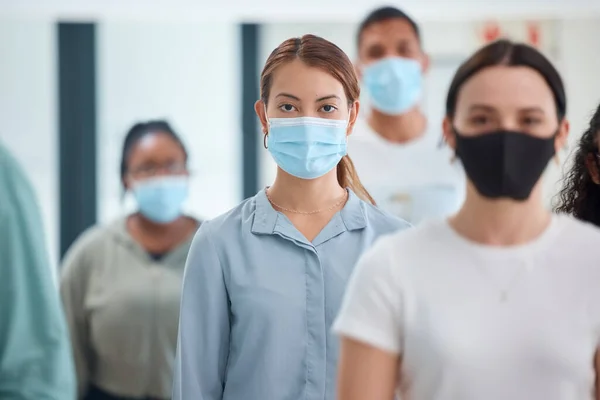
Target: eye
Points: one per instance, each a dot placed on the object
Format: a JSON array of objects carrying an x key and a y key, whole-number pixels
[
  {"x": 479, "y": 120},
  {"x": 287, "y": 107},
  {"x": 376, "y": 52},
  {"x": 328, "y": 108},
  {"x": 531, "y": 121}
]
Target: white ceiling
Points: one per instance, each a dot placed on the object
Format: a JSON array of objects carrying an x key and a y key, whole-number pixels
[{"x": 294, "y": 10}]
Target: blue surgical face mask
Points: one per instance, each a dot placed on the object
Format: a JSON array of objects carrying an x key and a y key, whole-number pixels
[
  {"x": 394, "y": 84},
  {"x": 306, "y": 147},
  {"x": 160, "y": 199}
]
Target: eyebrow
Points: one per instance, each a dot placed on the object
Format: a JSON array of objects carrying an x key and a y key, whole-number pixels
[
  {"x": 331, "y": 96},
  {"x": 532, "y": 109},
  {"x": 490, "y": 108},
  {"x": 484, "y": 107},
  {"x": 291, "y": 96}
]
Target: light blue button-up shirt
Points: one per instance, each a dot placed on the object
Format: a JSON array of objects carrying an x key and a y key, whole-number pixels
[{"x": 259, "y": 300}]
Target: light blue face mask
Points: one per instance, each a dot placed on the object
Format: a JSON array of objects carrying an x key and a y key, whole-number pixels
[
  {"x": 307, "y": 147},
  {"x": 394, "y": 84},
  {"x": 160, "y": 199}
]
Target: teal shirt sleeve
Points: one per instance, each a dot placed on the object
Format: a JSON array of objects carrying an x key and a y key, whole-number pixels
[{"x": 35, "y": 353}]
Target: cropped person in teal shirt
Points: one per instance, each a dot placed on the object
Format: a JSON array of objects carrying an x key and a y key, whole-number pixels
[
  {"x": 35, "y": 352},
  {"x": 264, "y": 281}
]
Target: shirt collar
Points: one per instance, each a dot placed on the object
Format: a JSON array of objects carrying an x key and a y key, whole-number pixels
[{"x": 266, "y": 217}]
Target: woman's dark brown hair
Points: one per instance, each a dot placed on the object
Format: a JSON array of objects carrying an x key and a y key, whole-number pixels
[
  {"x": 505, "y": 52},
  {"x": 580, "y": 195},
  {"x": 317, "y": 52}
]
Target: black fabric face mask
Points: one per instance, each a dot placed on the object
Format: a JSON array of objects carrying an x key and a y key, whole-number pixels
[{"x": 504, "y": 164}]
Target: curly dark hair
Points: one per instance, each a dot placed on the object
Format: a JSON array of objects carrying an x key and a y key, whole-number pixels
[{"x": 580, "y": 195}]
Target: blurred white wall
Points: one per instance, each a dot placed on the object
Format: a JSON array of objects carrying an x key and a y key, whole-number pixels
[
  {"x": 28, "y": 110},
  {"x": 267, "y": 11},
  {"x": 190, "y": 73},
  {"x": 187, "y": 73}
]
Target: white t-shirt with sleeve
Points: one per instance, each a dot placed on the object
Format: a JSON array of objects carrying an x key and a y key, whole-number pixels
[
  {"x": 475, "y": 322},
  {"x": 415, "y": 181}
]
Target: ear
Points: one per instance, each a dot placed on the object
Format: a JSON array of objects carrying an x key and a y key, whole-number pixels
[
  {"x": 127, "y": 183},
  {"x": 592, "y": 167},
  {"x": 260, "y": 109},
  {"x": 358, "y": 70},
  {"x": 354, "y": 109},
  {"x": 448, "y": 133},
  {"x": 425, "y": 63},
  {"x": 562, "y": 135}
]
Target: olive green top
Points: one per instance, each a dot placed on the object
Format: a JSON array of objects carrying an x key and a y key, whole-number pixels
[{"x": 122, "y": 308}]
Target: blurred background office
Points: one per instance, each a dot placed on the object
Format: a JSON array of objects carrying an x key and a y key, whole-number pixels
[{"x": 75, "y": 75}]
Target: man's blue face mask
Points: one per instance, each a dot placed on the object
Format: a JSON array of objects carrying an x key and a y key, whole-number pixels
[
  {"x": 307, "y": 147},
  {"x": 394, "y": 84}
]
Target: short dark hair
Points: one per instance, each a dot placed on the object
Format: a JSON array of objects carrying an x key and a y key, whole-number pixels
[
  {"x": 506, "y": 52},
  {"x": 138, "y": 132},
  {"x": 383, "y": 14}
]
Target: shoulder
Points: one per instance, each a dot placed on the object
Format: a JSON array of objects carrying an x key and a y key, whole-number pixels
[
  {"x": 230, "y": 221},
  {"x": 226, "y": 228},
  {"x": 91, "y": 243},
  {"x": 575, "y": 249},
  {"x": 16, "y": 191},
  {"x": 391, "y": 259},
  {"x": 577, "y": 234},
  {"x": 409, "y": 243},
  {"x": 381, "y": 221}
]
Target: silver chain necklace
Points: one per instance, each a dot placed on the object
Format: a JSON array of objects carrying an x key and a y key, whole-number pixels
[
  {"x": 505, "y": 290},
  {"x": 337, "y": 204}
]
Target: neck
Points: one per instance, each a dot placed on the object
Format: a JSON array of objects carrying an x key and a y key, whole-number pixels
[
  {"x": 399, "y": 128},
  {"x": 304, "y": 194},
  {"x": 155, "y": 229},
  {"x": 501, "y": 222}
]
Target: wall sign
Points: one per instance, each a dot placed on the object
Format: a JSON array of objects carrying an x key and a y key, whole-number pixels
[{"x": 539, "y": 34}]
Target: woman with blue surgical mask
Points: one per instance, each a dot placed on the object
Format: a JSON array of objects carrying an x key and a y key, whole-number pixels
[
  {"x": 121, "y": 283},
  {"x": 264, "y": 281}
]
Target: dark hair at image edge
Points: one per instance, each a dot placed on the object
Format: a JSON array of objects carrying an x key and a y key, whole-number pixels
[
  {"x": 580, "y": 195},
  {"x": 385, "y": 14},
  {"x": 508, "y": 53},
  {"x": 141, "y": 130},
  {"x": 317, "y": 52}
]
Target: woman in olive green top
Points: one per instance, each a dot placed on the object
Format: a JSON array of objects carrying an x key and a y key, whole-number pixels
[{"x": 121, "y": 283}]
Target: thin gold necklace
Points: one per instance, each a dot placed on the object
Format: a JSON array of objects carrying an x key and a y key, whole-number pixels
[{"x": 337, "y": 204}]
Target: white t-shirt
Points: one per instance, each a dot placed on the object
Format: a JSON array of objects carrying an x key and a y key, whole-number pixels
[
  {"x": 414, "y": 181},
  {"x": 476, "y": 322}
]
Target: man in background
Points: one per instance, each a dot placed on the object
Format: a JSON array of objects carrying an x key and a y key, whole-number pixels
[
  {"x": 396, "y": 152},
  {"x": 35, "y": 352}
]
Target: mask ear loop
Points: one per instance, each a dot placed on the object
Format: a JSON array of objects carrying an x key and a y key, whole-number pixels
[
  {"x": 556, "y": 156},
  {"x": 349, "y": 127},
  {"x": 265, "y": 132},
  {"x": 443, "y": 143}
]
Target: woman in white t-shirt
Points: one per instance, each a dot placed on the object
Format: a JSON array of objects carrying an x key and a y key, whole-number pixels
[{"x": 502, "y": 300}]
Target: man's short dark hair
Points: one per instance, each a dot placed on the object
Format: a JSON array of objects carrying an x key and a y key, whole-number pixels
[{"x": 384, "y": 14}]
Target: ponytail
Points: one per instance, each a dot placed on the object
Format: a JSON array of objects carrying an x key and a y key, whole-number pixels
[{"x": 348, "y": 178}]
